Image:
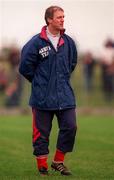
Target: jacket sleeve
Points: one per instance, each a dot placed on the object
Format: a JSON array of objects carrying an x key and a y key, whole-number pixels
[
  {"x": 29, "y": 60},
  {"x": 73, "y": 56}
]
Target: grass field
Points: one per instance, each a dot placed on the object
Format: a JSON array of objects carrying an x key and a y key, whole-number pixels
[{"x": 92, "y": 158}]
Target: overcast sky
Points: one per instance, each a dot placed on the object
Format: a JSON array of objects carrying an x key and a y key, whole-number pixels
[{"x": 89, "y": 22}]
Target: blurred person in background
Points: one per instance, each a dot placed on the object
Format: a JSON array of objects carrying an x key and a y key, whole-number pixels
[
  {"x": 111, "y": 69},
  {"x": 3, "y": 78},
  {"x": 14, "y": 86},
  {"x": 47, "y": 61},
  {"x": 107, "y": 60},
  {"x": 88, "y": 70},
  {"x": 3, "y": 69}
]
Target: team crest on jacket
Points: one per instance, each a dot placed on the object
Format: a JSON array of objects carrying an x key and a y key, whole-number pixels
[{"x": 44, "y": 52}]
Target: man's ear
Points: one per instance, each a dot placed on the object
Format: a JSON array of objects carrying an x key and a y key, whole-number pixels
[{"x": 49, "y": 20}]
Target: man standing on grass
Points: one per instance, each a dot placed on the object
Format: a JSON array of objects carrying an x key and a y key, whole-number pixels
[{"x": 47, "y": 61}]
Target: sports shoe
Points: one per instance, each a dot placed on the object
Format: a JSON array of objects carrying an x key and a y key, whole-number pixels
[
  {"x": 61, "y": 168},
  {"x": 43, "y": 171}
]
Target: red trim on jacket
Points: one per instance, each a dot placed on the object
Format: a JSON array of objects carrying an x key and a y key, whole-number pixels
[
  {"x": 36, "y": 133},
  {"x": 44, "y": 35},
  {"x": 61, "y": 41}
]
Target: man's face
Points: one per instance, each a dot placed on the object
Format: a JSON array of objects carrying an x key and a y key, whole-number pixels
[{"x": 58, "y": 20}]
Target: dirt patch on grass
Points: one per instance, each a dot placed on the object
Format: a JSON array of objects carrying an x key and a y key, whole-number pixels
[{"x": 96, "y": 110}]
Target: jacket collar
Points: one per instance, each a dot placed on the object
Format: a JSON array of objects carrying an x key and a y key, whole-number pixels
[{"x": 43, "y": 35}]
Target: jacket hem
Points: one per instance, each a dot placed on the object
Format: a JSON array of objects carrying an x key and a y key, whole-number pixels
[{"x": 53, "y": 109}]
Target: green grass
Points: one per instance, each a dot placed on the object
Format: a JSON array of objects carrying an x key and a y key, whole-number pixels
[{"x": 92, "y": 158}]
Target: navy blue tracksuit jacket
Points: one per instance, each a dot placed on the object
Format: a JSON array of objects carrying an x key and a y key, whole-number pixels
[{"x": 49, "y": 71}]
